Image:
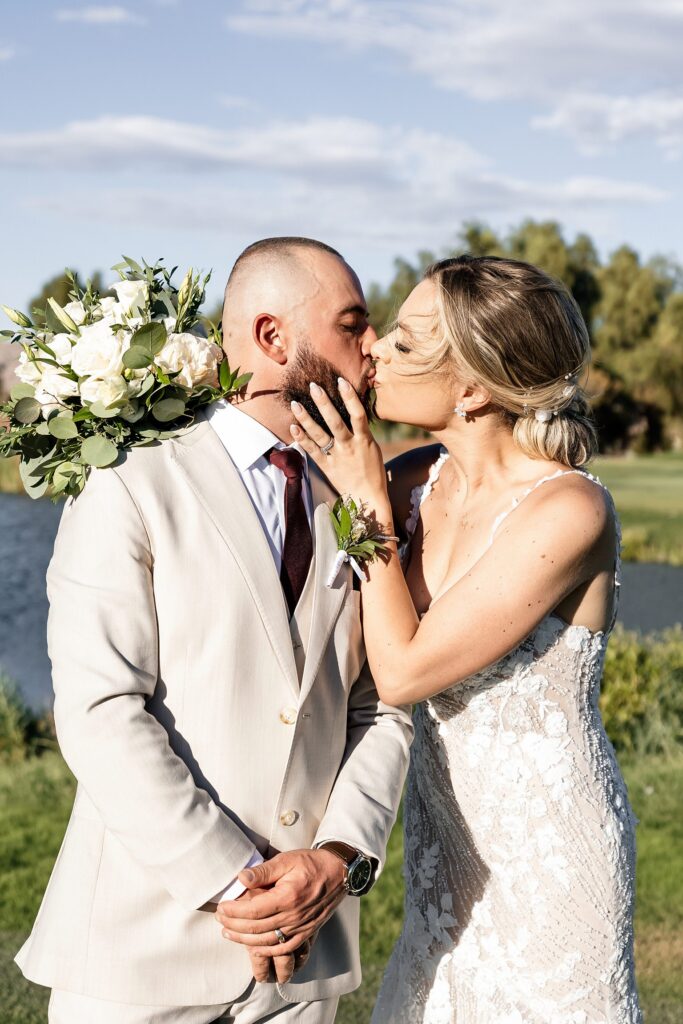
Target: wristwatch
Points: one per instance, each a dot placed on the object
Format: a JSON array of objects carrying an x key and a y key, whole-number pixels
[{"x": 360, "y": 870}]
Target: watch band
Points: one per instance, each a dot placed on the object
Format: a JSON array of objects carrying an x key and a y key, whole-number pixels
[{"x": 345, "y": 852}]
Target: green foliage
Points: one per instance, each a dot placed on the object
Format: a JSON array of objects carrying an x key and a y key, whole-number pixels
[
  {"x": 13, "y": 722},
  {"x": 642, "y": 693},
  {"x": 22, "y": 732}
]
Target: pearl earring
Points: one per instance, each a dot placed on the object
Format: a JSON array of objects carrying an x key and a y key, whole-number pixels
[{"x": 460, "y": 410}]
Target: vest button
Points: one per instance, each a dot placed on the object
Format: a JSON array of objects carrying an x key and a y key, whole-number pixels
[
  {"x": 288, "y": 716},
  {"x": 289, "y": 818}
]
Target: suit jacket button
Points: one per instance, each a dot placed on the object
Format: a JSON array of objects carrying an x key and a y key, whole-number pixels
[
  {"x": 288, "y": 716},
  {"x": 289, "y": 817}
]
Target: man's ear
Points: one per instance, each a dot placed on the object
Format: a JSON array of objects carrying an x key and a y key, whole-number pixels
[{"x": 267, "y": 334}]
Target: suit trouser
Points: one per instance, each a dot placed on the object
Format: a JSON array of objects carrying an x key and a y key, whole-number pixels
[{"x": 260, "y": 1002}]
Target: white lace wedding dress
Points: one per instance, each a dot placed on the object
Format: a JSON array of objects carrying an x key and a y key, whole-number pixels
[{"x": 519, "y": 844}]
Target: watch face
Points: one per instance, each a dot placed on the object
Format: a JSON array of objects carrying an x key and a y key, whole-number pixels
[{"x": 360, "y": 874}]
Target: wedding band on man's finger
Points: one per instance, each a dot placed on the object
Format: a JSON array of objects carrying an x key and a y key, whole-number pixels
[{"x": 280, "y": 936}]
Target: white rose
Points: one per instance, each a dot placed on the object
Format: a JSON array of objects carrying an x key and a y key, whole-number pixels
[
  {"x": 111, "y": 310},
  {"x": 62, "y": 347},
  {"x": 29, "y": 372},
  {"x": 54, "y": 388},
  {"x": 99, "y": 352},
  {"x": 196, "y": 358},
  {"x": 76, "y": 310},
  {"x": 132, "y": 295},
  {"x": 110, "y": 392}
]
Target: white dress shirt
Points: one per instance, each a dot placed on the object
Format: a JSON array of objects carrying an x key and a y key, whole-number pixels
[{"x": 247, "y": 441}]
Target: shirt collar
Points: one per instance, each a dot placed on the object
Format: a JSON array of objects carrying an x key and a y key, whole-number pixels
[{"x": 244, "y": 438}]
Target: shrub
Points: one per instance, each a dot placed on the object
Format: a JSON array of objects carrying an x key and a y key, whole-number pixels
[
  {"x": 642, "y": 693},
  {"x": 22, "y": 732}
]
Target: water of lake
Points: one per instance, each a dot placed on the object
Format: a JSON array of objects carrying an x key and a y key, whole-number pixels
[{"x": 652, "y": 595}]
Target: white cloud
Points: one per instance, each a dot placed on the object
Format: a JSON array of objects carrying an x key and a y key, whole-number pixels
[
  {"x": 99, "y": 16},
  {"x": 6, "y": 53},
  {"x": 597, "y": 121},
  {"x": 492, "y": 49},
  {"x": 349, "y": 179}
]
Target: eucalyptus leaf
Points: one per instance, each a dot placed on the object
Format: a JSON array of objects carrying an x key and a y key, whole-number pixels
[
  {"x": 27, "y": 410},
  {"x": 151, "y": 337},
  {"x": 34, "y": 487},
  {"x": 22, "y": 391},
  {"x": 103, "y": 412},
  {"x": 62, "y": 426},
  {"x": 64, "y": 474},
  {"x": 99, "y": 451},
  {"x": 83, "y": 414},
  {"x": 147, "y": 385},
  {"x": 168, "y": 409},
  {"x": 137, "y": 357}
]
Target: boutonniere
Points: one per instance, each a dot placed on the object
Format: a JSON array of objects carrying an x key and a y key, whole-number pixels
[{"x": 359, "y": 537}]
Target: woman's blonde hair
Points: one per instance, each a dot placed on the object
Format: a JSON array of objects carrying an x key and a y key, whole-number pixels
[{"x": 517, "y": 332}]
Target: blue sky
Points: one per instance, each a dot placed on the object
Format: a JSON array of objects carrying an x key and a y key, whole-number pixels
[{"x": 189, "y": 128}]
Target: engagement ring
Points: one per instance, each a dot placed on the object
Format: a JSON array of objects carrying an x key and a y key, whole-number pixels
[{"x": 328, "y": 447}]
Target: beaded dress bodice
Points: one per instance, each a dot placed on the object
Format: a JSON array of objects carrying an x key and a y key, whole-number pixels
[{"x": 519, "y": 844}]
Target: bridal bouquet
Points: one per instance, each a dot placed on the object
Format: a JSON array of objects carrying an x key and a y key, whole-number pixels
[{"x": 106, "y": 373}]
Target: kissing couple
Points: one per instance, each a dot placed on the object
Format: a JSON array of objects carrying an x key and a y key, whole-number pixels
[{"x": 238, "y": 718}]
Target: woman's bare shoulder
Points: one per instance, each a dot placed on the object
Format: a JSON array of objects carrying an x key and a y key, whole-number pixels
[{"x": 406, "y": 471}]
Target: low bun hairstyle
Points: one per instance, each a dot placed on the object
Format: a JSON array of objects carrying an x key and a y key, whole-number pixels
[{"x": 517, "y": 332}]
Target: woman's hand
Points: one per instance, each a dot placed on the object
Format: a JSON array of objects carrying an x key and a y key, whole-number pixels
[{"x": 354, "y": 463}]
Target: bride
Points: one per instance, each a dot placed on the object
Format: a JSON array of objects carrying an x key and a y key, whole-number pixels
[{"x": 519, "y": 837}]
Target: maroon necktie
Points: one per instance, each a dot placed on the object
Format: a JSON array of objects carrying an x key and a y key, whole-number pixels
[{"x": 298, "y": 546}]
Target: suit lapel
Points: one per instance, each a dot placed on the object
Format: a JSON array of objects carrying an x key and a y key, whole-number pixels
[
  {"x": 327, "y": 601},
  {"x": 211, "y": 474}
]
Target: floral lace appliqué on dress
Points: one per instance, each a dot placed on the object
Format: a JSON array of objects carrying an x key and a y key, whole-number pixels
[{"x": 519, "y": 844}]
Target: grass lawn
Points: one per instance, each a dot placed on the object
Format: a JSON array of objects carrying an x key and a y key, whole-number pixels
[
  {"x": 10, "y": 482},
  {"x": 648, "y": 493},
  {"x": 35, "y": 797}
]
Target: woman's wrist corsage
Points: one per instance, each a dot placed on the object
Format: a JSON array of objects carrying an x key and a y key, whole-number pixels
[{"x": 360, "y": 538}]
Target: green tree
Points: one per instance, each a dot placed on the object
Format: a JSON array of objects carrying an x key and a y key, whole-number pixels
[
  {"x": 658, "y": 365},
  {"x": 631, "y": 299},
  {"x": 477, "y": 239},
  {"x": 384, "y": 304}
]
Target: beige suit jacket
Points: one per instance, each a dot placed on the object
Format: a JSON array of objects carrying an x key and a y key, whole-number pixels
[{"x": 192, "y": 733}]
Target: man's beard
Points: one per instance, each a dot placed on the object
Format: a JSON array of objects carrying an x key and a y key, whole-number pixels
[{"x": 311, "y": 367}]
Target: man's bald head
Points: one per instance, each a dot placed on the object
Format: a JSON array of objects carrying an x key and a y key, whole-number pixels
[
  {"x": 295, "y": 312},
  {"x": 269, "y": 252},
  {"x": 278, "y": 276}
]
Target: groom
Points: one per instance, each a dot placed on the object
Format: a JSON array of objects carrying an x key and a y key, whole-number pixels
[{"x": 211, "y": 699}]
